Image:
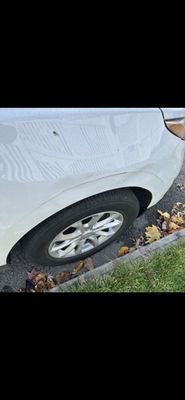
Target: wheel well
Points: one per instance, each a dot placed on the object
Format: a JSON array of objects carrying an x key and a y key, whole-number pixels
[{"x": 143, "y": 195}]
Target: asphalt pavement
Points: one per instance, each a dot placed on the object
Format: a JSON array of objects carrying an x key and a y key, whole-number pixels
[{"x": 15, "y": 274}]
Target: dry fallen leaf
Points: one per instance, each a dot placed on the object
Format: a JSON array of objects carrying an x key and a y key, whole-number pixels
[
  {"x": 50, "y": 282},
  {"x": 78, "y": 267},
  {"x": 88, "y": 263},
  {"x": 50, "y": 285},
  {"x": 39, "y": 277},
  {"x": 33, "y": 274},
  {"x": 177, "y": 220},
  {"x": 41, "y": 286},
  {"x": 173, "y": 227},
  {"x": 62, "y": 277},
  {"x": 165, "y": 215},
  {"x": 123, "y": 250},
  {"x": 164, "y": 233},
  {"x": 152, "y": 233}
]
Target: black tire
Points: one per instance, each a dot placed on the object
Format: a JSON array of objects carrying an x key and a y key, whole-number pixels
[{"x": 35, "y": 244}]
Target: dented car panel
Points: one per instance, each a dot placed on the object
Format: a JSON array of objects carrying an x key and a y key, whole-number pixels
[{"x": 52, "y": 158}]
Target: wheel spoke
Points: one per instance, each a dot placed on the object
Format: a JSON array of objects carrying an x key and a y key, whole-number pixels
[
  {"x": 80, "y": 245},
  {"x": 68, "y": 236},
  {"x": 105, "y": 221},
  {"x": 64, "y": 244},
  {"x": 93, "y": 220},
  {"x": 94, "y": 240},
  {"x": 79, "y": 226},
  {"x": 108, "y": 225},
  {"x": 104, "y": 233},
  {"x": 70, "y": 250}
]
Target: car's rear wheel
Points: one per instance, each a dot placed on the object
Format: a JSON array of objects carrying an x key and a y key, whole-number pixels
[{"x": 81, "y": 229}]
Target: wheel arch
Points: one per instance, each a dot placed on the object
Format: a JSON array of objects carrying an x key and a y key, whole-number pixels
[{"x": 144, "y": 196}]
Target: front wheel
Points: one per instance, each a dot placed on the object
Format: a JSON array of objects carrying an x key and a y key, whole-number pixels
[{"x": 81, "y": 229}]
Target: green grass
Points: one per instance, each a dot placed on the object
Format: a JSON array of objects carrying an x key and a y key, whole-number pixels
[{"x": 162, "y": 272}]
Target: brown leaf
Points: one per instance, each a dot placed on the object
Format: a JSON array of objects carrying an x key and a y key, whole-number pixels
[
  {"x": 39, "y": 277},
  {"x": 177, "y": 220},
  {"x": 40, "y": 286},
  {"x": 77, "y": 268},
  {"x": 123, "y": 250},
  {"x": 164, "y": 233},
  {"x": 152, "y": 233},
  {"x": 50, "y": 282},
  {"x": 173, "y": 227},
  {"x": 62, "y": 277},
  {"x": 33, "y": 274},
  {"x": 165, "y": 215},
  {"x": 89, "y": 264}
]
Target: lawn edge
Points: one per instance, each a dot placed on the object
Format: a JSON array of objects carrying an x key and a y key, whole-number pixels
[{"x": 107, "y": 268}]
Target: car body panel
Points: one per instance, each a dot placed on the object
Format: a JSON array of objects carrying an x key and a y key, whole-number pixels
[{"x": 52, "y": 158}]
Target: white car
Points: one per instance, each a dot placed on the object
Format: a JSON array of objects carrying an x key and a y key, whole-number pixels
[{"x": 72, "y": 180}]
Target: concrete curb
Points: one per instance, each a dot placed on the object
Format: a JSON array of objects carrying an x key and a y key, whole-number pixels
[{"x": 142, "y": 252}]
